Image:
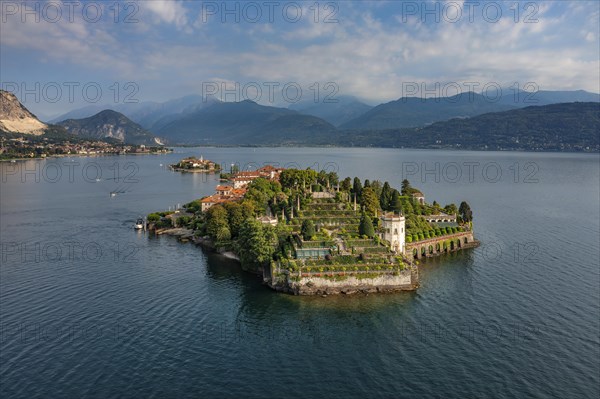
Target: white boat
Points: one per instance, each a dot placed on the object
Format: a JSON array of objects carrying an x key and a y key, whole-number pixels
[
  {"x": 139, "y": 224},
  {"x": 113, "y": 194}
]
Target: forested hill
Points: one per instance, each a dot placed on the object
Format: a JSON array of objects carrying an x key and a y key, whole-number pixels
[{"x": 555, "y": 127}]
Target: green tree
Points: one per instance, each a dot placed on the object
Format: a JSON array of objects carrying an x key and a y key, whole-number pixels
[
  {"x": 294, "y": 178},
  {"x": 396, "y": 201},
  {"x": 451, "y": 209},
  {"x": 405, "y": 189},
  {"x": 385, "y": 199},
  {"x": 256, "y": 244},
  {"x": 357, "y": 188},
  {"x": 346, "y": 184},
  {"x": 333, "y": 179},
  {"x": 408, "y": 208},
  {"x": 194, "y": 206},
  {"x": 223, "y": 234},
  {"x": 370, "y": 202},
  {"x": 216, "y": 219},
  {"x": 377, "y": 187},
  {"x": 235, "y": 217},
  {"x": 308, "y": 229},
  {"x": 366, "y": 226},
  {"x": 183, "y": 221},
  {"x": 248, "y": 208},
  {"x": 464, "y": 210},
  {"x": 153, "y": 217}
]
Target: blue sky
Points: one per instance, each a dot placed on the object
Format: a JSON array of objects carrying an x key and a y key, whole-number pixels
[{"x": 377, "y": 51}]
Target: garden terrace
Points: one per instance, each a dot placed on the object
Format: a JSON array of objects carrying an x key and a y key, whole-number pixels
[
  {"x": 371, "y": 250},
  {"x": 444, "y": 224},
  {"x": 374, "y": 270},
  {"x": 317, "y": 244},
  {"x": 351, "y": 227},
  {"x": 330, "y": 212},
  {"x": 326, "y": 206},
  {"x": 329, "y": 221},
  {"x": 341, "y": 264},
  {"x": 434, "y": 233},
  {"x": 361, "y": 242},
  {"x": 306, "y": 253}
]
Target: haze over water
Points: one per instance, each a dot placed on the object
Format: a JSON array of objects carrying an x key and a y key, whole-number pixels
[{"x": 98, "y": 310}]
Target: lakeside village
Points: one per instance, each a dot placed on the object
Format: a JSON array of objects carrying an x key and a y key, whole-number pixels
[
  {"x": 20, "y": 147},
  {"x": 310, "y": 233}
]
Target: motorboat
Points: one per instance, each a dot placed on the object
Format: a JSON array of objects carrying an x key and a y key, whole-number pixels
[{"x": 139, "y": 224}]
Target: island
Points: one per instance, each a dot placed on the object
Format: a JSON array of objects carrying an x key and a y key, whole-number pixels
[
  {"x": 310, "y": 233},
  {"x": 195, "y": 165}
]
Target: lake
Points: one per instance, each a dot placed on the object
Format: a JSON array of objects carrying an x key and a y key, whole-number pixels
[{"x": 91, "y": 308}]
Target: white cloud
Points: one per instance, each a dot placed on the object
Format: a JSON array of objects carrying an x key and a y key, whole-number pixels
[
  {"x": 590, "y": 37},
  {"x": 167, "y": 11},
  {"x": 363, "y": 54}
]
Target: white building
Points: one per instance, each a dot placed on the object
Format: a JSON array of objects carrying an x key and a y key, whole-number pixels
[{"x": 394, "y": 231}]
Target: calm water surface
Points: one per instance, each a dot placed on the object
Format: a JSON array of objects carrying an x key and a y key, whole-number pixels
[{"x": 91, "y": 308}]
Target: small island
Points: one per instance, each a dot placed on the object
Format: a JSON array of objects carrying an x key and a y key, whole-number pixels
[
  {"x": 310, "y": 233},
  {"x": 195, "y": 165}
]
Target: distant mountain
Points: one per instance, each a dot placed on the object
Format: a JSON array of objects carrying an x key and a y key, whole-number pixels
[
  {"x": 144, "y": 113},
  {"x": 555, "y": 127},
  {"x": 176, "y": 109},
  {"x": 15, "y": 118},
  {"x": 415, "y": 112},
  {"x": 80, "y": 113},
  {"x": 545, "y": 97},
  {"x": 344, "y": 109},
  {"x": 243, "y": 123},
  {"x": 152, "y": 117},
  {"x": 110, "y": 124}
]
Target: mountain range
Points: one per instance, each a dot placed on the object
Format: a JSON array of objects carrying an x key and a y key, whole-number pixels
[
  {"x": 147, "y": 113},
  {"x": 106, "y": 125},
  {"x": 554, "y": 127},
  {"x": 343, "y": 112},
  {"x": 336, "y": 111},
  {"x": 244, "y": 122},
  {"x": 415, "y": 112},
  {"x": 110, "y": 124},
  {"x": 467, "y": 121}
]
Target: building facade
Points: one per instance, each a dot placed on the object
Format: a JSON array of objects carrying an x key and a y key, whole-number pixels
[{"x": 393, "y": 230}]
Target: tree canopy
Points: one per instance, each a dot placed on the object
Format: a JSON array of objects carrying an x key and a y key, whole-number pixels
[
  {"x": 366, "y": 226},
  {"x": 370, "y": 202},
  {"x": 465, "y": 213}
]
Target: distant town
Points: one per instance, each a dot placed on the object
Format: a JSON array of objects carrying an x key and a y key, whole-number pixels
[{"x": 14, "y": 146}]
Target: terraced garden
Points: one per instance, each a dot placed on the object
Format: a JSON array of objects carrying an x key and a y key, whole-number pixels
[{"x": 337, "y": 250}]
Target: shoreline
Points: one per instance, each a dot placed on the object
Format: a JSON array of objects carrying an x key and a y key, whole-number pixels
[
  {"x": 388, "y": 148},
  {"x": 320, "y": 284},
  {"x": 83, "y": 156},
  {"x": 348, "y": 251},
  {"x": 193, "y": 170}
]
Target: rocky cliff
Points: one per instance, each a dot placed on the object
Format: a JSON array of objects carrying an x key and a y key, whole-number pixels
[{"x": 15, "y": 118}]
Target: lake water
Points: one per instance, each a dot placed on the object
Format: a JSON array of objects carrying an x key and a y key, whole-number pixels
[{"x": 91, "y": 308}]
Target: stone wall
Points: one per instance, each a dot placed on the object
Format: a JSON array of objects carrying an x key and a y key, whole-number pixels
[
  {"x": 435, "y": 246},
  {"x": 406, "y": 280}
]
